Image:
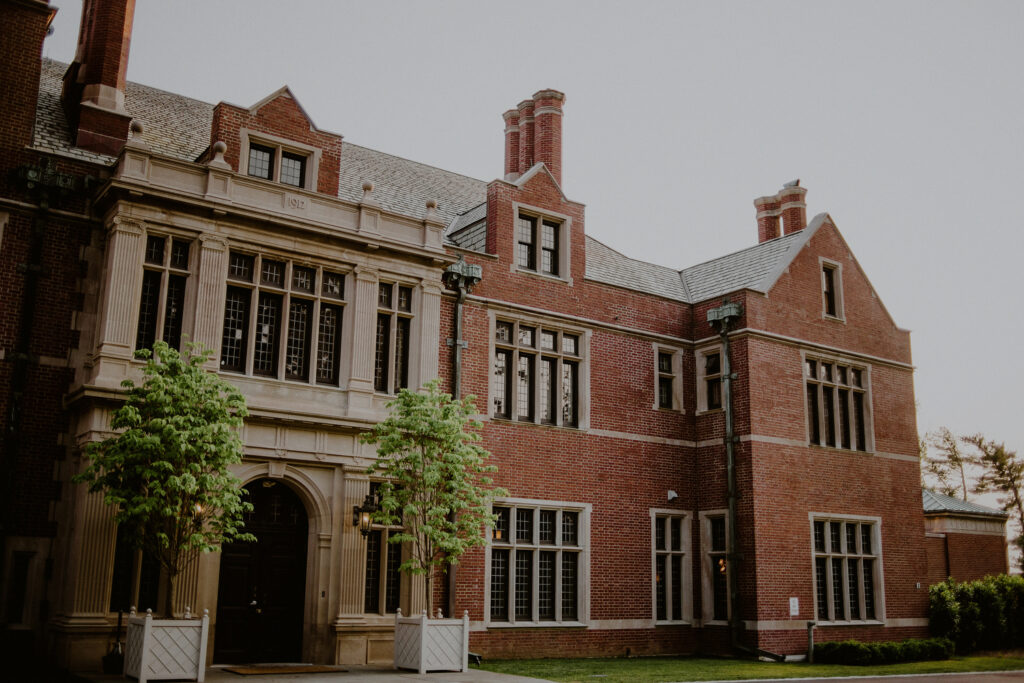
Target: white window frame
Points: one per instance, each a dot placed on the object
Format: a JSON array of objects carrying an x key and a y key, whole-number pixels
[
  {"x": 564, "y": 245},
  {"x": 279, "y": 145},
  {"x": 582, "y": 360},
  {"x": 877, "y": 576},
  {"x": 672, "y": 555},
  {"x": 868, "y": 419},
  {"x": 836, "y": 269},
  {"x": 702, "y": 385},
  {"x": 708, "y": 565},
  {"x": 676, "y": 375},
  {"x": 583, "y": 511}
]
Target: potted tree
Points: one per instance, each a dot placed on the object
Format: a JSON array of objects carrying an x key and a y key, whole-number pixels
[
  {"x": 167, "y": 472},
  {"x": 436, "y": 487}
]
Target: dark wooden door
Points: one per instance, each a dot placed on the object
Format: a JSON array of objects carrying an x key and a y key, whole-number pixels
[{"x": 263, "y": 585}]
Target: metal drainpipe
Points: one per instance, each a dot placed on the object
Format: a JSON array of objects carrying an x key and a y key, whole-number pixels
[
  {"x": 461, "y": 277},
  {"x": 721, "y": 318}
]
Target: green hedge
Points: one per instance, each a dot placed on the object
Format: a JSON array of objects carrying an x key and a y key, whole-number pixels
[
  {"x": 986, "y": 613},
  {"x": 888, "y": 652}
]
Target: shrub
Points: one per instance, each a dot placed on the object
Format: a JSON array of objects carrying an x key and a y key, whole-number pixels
[
  {"x": 888, "y": 652},
  {"x": 988, "y": 612}
]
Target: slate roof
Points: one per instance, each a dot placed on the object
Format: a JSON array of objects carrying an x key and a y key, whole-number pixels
[
  {"x": 756, "y": 267},
  {"x": 606, "y": 265},
  {"x": 179, "y": 127},
  {"x": 938, "y": 502}
]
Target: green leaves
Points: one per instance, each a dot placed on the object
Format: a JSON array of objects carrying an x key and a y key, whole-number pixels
[
  {"x": 167, "y": 470},
  {"x": 436, "y": 484}
]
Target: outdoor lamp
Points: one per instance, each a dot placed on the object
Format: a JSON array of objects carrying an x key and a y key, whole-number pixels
[{"x": 362, "y": 515}]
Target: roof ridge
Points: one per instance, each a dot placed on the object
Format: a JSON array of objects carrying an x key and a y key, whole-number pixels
[
  {"x": 636, "y": 260},
  {"x": 413, "y": 161},
  {"x": 776, "y": 240}
]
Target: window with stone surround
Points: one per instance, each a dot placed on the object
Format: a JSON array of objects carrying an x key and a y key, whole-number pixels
[
  {"x": 537, "y": 563},
  {"x": 383, "y": 586},
  {"x": 714, "y": 539},
  {"x": 541, "y": 242},
  {"x": 536, "y": 373},
  {"x": 165, "y": 275},
  {"x": 393, "y": 334},
  {"x": 671, "y": 566},
  {"x": 282, "y": 319},
  {"x": 709, "y": 379},
  {"x": 668, "y": 384},
  {"x": 832, "y": 289},
  {"x": 278, "y": 160},
  {"x": 847, "y": 580},
  {"x": 838, "y": 404}
]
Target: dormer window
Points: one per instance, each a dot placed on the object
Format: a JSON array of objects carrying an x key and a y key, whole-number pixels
[
  {"x": 263, "y": 164},
  {"x": 541, "y": 243},
  {"x": 280, "y": 161}
]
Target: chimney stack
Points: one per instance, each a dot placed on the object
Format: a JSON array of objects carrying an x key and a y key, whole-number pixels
[
  {"x": 788, "y": 204},
  {"x": 511, "y": 144},
  {"x": 94, "y": 84},
  {"x": 547, "y": 145},
  {"x": 525, "y": 135},
  {"x": 533, "y": 134}
]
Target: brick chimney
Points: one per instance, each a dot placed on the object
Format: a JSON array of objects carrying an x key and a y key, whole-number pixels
[
  {"x": 95, "y": 82},
  {"x": 525, "y": 135},
  {"x": 511, "y": 144},
  {"x": 788, "y": 204},
  {"x": 547, "y": 145}
]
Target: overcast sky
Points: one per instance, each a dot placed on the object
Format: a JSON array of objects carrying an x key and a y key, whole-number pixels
[{"x": 903, "y": 120}]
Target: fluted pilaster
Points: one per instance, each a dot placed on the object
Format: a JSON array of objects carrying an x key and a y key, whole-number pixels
[
  {"x": 430, "y": 330},
  {"x": 353, "y": 550},
  {"x": 360, "y": 383},
  {"x": 119, "y": 303},
  {"x": 95, "y": 538},
  {"x": 209, "y": 322}
]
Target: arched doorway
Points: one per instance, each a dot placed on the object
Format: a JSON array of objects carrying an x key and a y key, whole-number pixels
[{"x": 262, "y": 585}]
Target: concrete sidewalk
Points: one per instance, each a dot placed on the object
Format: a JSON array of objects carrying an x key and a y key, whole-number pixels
[{"x": 351, "y": 674}]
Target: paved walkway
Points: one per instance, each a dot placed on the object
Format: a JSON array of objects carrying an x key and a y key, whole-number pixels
[{"x": 352, "y": 674}]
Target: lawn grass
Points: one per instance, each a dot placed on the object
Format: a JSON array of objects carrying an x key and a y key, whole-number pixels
[{"x": 665, "y": 669}]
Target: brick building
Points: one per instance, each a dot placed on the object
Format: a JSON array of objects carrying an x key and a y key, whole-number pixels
[{"x": 695, "y": 459}]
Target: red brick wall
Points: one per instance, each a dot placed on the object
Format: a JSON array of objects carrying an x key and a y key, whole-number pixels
[
  {"x": 974, "y": 556},
  {"x": 284, "y": 118}
]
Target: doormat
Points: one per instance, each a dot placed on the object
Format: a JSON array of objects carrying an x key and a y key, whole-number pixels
[{"x": 259, "y": 670}]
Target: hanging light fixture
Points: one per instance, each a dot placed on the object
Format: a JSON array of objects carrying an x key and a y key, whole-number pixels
[{"x": 362, "y": 515}]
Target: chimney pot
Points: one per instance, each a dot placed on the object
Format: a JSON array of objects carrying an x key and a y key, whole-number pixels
[
  {"x": 511, "y": 144},
  {"x": 526, "y": 131},
  {"x": 547, "y": 113}
]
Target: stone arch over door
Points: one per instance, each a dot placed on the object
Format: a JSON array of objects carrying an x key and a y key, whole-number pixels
[{"x": 262, "y": 587}]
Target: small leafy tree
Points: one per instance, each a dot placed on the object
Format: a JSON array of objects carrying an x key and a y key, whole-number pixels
[
  {"x": 167, "y": 468},
  {"x": 436, "y": 479},
  {"x": 946, "y": 470},
  {"x": 1002, "y": 473}
]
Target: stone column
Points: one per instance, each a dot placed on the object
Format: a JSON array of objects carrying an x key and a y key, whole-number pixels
[
  {"x": 364, "y": 326},
  {"x": 430, "y": 330},
  {"x": 352, "y": 582},
  {"x": 119, "y": 301},
  {"x": 91, "y": 558},
  {"x": 210, "y": 292}
]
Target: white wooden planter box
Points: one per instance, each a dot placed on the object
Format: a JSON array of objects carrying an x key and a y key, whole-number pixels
[
  {"x": 431, "y": 644},
  {"x": 161, "y": 649}
]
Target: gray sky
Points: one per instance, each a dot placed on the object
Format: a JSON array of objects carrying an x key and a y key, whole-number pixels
[{"x": 903, "y": 120}]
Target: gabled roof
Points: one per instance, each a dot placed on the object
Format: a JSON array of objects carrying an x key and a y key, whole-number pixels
[
  {"x": 286, "y": 91},
  {"x": 757, "y": 267},
  {"x": 936, "y": 502}
]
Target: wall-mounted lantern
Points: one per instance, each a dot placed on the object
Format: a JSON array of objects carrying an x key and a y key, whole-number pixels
[{"x": 362, "y": 515}]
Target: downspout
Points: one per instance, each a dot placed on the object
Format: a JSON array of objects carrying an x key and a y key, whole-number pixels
[
  {"x": 720, "y": 319},
  {"x": 461, "y": 277}
]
